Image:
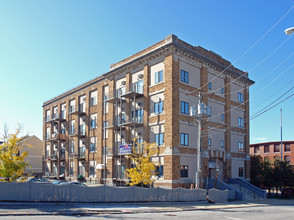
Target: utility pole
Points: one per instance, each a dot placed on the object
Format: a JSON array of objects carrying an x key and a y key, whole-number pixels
[
  {"x": 281, "y": 138},
  {"x": 198, "y": 113}
]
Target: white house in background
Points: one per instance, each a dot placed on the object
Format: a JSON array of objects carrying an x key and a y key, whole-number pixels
[{"x": 34, "y": 146}]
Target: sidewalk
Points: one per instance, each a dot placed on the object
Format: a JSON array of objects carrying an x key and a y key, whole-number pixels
[{"x": 22, "y": 208}]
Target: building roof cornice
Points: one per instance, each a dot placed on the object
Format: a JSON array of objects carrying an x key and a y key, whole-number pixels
[{"x": 169, "y": 45}]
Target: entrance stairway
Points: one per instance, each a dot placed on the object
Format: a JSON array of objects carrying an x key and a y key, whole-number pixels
[
  {"x": 250, "y": 191},
  {"x": 243, "y": 189}
]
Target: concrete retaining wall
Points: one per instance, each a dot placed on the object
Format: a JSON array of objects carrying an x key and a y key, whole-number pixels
[{"x": 44, "y": 192}]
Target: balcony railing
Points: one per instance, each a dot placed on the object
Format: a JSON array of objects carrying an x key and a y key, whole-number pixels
[
  {"x": 72, "y": 131},
  {"x": 92, "y": 147},
  {"x": 57, "y": 136},
  {"x": 55, "y": 116},
  {"x": 62, "y": 155},
  {"x": 121, "y": 91},
  {"x": 72, "y": 109},
  {"x": 82, "y": 108},
  {"x": 47, "y": 118},
  {"x": 63, "y": 115},
  {"x": 124, "y": 120},
  {"x": 54, "y": 155},
  {"x": 138, "y": 87}
]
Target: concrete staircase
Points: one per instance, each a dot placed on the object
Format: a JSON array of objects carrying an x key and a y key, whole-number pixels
[
  {"x": 249, "y": 191},
  {"x": 248, "y": 194}
]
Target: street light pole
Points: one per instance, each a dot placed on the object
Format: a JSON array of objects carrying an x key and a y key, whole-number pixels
[{"x": 288, "y": 31}]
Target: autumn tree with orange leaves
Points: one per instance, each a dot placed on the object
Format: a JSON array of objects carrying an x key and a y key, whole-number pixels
[
  {"x": 144, "y": 168},
  {"x": 12, "y": 164}
]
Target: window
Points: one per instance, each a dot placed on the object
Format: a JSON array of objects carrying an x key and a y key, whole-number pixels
[
  {"x": 276, "y": 158},
  {"x": 63, "y": 111},
  {"x": 222, "y": 144},
  {"x": 222, "y": 117},
  {"x": 277, "y": 148},
  {"x": 82, "y": 104},
  {"x": 72, "y": 104},
  {"x": 105, "y": 107},
  {"x": 266, "y": 148},
  {"x": 159, "y": 171},
  {"x": 82, "y": 151},
  {"x": 209, "y": 85},
  {"x": 105, "y": 126},
  {"x": 184, "y": 139},
  {"x": 48, "y": 151},
  {"x": 82, "y": 129},
  {"x": 184, "y": 76},
  {"x": 93, "y": 121},
  {"x": 47, "y": 135},
  {"x": 62, "y": 151},
  {"x": 106, "y": 95},
  {"x": 256, "y": 149},
  {"x": 158, "y": 107},
  {"x": 222, "y": 90},
  {"x": 266, "y": 158},
  {"x": 71, "y": 168},
  {"x": 159, "y": 139},
  {"x": 137, "y": 115},
  {"x": 240, "y": 97},
  {"x": 241, "y": 146},
  {"x": 184, "y": 171},
  {"x": 158, "y": 77},
  {"x": 138, "y": 87},
  {"x": 241, "y": 173},
  {"x": 47, "y": 117},
  {"x": 62, "y": 169},
  {"x": 209, "y": 142},
  {"x": 240, "y": 122},
  {"x": 72, "y": 147},
  {"x": 92, "y": 168},
  {"x": 93, "y": 98},
  {"x": 105, "y": 153},
  {"x": 72, "y": 127},
  {"x": 287, "y": 158},
  {"x": 185, "y": 107},
  {"x": 55, "y": 113},
  {"x": 93, "y": 144},
  {"x": 287, "y": 147},
  {"x": 82, "y": 168}
]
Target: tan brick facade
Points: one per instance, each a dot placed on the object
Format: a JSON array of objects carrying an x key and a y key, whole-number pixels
[{"x": 146, "y": 80}]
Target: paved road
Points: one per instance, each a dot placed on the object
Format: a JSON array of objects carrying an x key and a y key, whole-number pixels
[
  {"x": 264, "y": 209},
  {"x": 260, "y": 213}
]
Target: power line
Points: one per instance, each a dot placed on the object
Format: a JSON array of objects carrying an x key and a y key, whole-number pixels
[
  {"x": 272, "y": 102},
  {"x": 272, "y": 107},
  {"x": 250, "y": 48}
]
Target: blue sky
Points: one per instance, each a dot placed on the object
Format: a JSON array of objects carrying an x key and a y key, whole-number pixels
[{"x": 49, "y": 47}]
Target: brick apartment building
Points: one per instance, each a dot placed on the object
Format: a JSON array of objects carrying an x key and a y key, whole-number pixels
[
  {"x": 145, "y": 96},
  {"x": 271, "y": 151}
]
